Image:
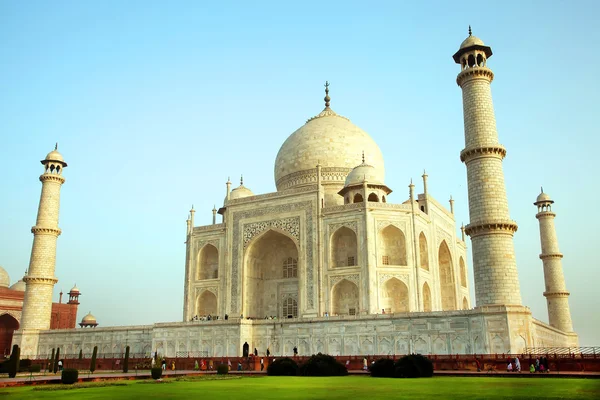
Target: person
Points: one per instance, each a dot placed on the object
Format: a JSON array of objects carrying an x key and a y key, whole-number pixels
[
  {"x": 537, "y": 364},
  {"x": 164, "y": 365},
  {"x": 239, "y": 365},
  {"x": 210, "y": 365},
  {"x": 152, "y": 362},
  {"x": 347, "y": 364},
  {"x": 229, "y": 365},
  {"x": 196, "y": 366},
  {"x": 226, "y": 317},
  {"x": 517, "y": 364},
  {"x": 531, "y": 368},
  {"x": 255, "y": 352},
  {"x": 268, "y": 352},
  {"x": 295, "y": 351},
  {"x": 262, "y": 364},
  {"x": 60, "y": 365},
  {"x": 509, "y": 368},
  {"x": 542, "y": 368},
  {"x": 383, "y": 310},
  {"x": 365, "y": 364},
  {"x": 478, "y": 364},
  {"x": 202, "y": 365},
  {"x": 173, "y": 366}
]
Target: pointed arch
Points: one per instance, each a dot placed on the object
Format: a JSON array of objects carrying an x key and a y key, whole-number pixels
[
  {"x": 208, "y": 263},
  {"x": 465, "y": 303},
  {"x": 344, "y": 248},
  {"x": 463, "y": 272},
  {"x": 373, "y": 197},
  {"x": 447, "y": 286},
  {"x": 271, "y": 259},
  {"x": 423, "y": 252},
  {"x": 392, "y": 246},
  {"x": 206, "y": 303},
  {"x": 358, "y": 198},
  {"x": 344, "y": 298},
  {"x": 394, "y": 296},
  {"x": 8, "y": 325},
  {"x": 426, "y": 297}
]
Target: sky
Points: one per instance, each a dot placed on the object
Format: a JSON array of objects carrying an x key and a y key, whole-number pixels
[{"x": 155, "y": 104}]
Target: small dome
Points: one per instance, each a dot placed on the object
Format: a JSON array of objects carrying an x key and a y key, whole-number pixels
[
  {"x": 471, "y": 41},
  {"x": 54, "y": 155},
  {"x": 88, "y": 319},
  {"x": 240, "y": 192},
  {"x": 543, "y": 197},
  {"x": 364, "y": 172},
  {"x": 19, "y": 286},
  {"x": 4, "y": 278},
  {"x": 75, "y": 289}
]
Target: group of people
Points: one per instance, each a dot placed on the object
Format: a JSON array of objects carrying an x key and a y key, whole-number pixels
[
  {"x": 208, "y": 317},
  {"x": 540, "y": 365},
  {"x": 516, "y": 367}
]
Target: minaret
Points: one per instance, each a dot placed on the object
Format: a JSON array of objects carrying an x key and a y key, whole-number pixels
[
  {"x": 491, "y": 229},
  {"x": 556, "y": 293},
  {"x": 40, "y": 280}
]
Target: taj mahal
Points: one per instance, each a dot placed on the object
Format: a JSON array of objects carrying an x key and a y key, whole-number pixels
[{"x": 329, "y": 263}]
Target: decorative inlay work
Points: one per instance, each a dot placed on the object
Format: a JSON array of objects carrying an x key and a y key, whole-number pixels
[
  {"x": 354, "y": 278},
  {"x": 39, "y": 279},
  {"x": 52, "y": 177},
  {"x": 486, "y": 228},
  {"x": 442, "y": 234},
  {"x": 209, "y": 227},
  {"x": 200, "y": 244},
  {"x": 478, "y": 72},
  {"x": 36, "y": 230},
  {"x": 557, "y": 294},
  {"x": 485, "y": 151},
  {"x": 335, "y": 174},
  {"x": 289, "y": 225},
  {"x": 348, "y": 224},
  {"x": 199, "y": 290},
  {"x": 398, "y": 224},
  {"x": 370, "y": 204},
  {"x": 237, "y": 248},
  {"x": 403, "y": 277}
]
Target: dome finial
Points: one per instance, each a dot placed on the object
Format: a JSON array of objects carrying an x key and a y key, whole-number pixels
[
  {"x": 541, "y": 187},
  {"x": 363, "y": 156},
  {"x": 470, "y": 33},
  {"x": 327, "y": 98},
  {"x": 241, "y": 180},
  {"x": 56, "y": 146}
]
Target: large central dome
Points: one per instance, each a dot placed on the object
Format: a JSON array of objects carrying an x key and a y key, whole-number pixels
[{"x": 327, "y": 139}]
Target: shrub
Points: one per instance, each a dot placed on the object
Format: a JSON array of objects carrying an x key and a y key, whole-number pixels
[
  {"x": 126, "y": 361},
  {"x": 382, "y": 368},
  {"x": 414, "y": 366},
  {"x": 93, "y": 362},
  {"x": 35, "y": 368},
  {"x": 156, "y": 372},
  {"x": 24, "y": 365},
  {"x": 80, "y": 354},
  {"x": 222, "y": 369},
  {"x": 283, "y": 367},
  {"x": 14, "y": 361},
  {"x": 69, "y": 376},
  {"x": 51, "y": 362},
  {"x": 322, "y": 365}
]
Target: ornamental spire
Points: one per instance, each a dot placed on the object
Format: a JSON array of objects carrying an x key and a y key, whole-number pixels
[
  {"x": 327, "y": 98},
  {"x": 470, "y": 33}
]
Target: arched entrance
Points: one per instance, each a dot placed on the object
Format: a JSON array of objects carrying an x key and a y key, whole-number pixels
[
  {"x": 394, "y": 296},
  {"x": 206, "y": 304},
  {"x": 8, "y": 325},
  {"x": 208, "y": 263},
  {"x": 344, "y": 298},
  {"x": 270, "y": 275},
  {"x": 448, "y": 289}
]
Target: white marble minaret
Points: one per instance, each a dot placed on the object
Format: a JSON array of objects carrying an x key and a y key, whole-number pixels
[{"x": 559, "y": 314}]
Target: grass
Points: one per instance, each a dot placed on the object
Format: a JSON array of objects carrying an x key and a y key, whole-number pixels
[{"x": 360, "y": 387}]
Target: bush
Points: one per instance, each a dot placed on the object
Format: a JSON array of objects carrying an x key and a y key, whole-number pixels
[
  {"x": 15, "y": 356},
  {"x": 283, "y": 367},
  {"x": 222, "y": 369},
  {"x": 55, "y": 368},
  {"x": 414, "y": 366},
  {"x": 51, "y": 362},
  {"x": 322, "y": 365},
  {"x": 126, "y": 361},
  {"x": 24, "y": 365},
  {"x": 35, "y": 368},
  {"x": 69, "y": 376},
  {"x": 156, "y": 372},
  {"x": 382, "y": 368},
  {"x": 80, "y": 354},
  {"x": 93, "y": 361}
]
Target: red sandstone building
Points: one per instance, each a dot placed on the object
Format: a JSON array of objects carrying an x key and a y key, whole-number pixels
[{"x": 64, "y": 315}]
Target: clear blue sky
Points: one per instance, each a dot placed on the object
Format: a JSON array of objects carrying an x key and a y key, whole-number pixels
[{"x": 154, "y": 104}]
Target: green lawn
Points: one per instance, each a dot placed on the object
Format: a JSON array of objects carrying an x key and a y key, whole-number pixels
[{"x": 351, "y": 387}]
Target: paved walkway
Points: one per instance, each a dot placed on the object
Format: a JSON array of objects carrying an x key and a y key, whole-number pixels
[{"x": 23, "y": 379}]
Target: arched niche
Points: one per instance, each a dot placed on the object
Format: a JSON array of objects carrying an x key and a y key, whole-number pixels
[
  {"x": 373, "y": 197},
  {"x": 423, "y": 252},
  {"x": 447, "y": 286},
  {"x": 463, "y": 272},
  {"x": 8, "y": 325},
  {"x": 271, "y": 263},
  {"x": 426, "y": 297},
  {"x": 289, "y": 308},
  {"x": 344, "y": 298},
  {"x": 465, "y": 304},
  {"x": 206, "y": 304},
  {"x": 394, "y": 296},
  {"x": 358, "y": 198},
  {"x": 392, "y": 246},
  {"x": 344, "y": 246},
  {"x": 208, "y": 263}
]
